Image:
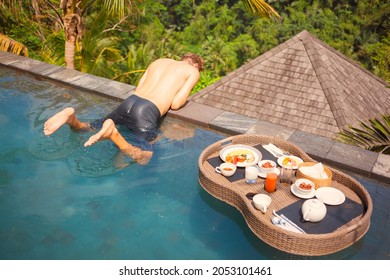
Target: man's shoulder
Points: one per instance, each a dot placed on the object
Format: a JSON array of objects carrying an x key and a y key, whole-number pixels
[{"x": 164, "y": 60}]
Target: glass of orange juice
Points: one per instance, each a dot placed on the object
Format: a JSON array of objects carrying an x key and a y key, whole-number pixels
[{"x": 270, "y": 182}]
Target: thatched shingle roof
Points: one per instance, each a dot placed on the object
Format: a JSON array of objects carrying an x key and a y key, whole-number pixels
[{"x": 302, "y": 84}]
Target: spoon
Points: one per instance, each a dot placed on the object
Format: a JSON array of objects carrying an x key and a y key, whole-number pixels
[{"x": 278, "y": 221}]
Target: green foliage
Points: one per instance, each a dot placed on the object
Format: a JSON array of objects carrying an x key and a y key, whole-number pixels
[
  {"x": 219, "y": 56},
  {"x": 137, "y": 60},
  {"x": 177, "y": 14},
  {"x": 206, "y": 79},
  {"x": 373, "y": 135},
  {"x": 379, "y": 56},
  {"x": 223, "y": 32},
  {"x": 53, "y": 49},
  {"x": 245, "y": 47},
  {"x": 99, "y": 48}
]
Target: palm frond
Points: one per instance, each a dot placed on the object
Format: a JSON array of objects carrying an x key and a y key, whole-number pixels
[
  {"x": 262, "y": 8},
  {"x": 53, "y": 49},
  {"x": 372, "y": 135},
  {"x": 9, "y": 45}
]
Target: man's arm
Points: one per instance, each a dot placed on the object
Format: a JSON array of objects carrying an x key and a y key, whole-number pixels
[{"x": 181, "y": 97}]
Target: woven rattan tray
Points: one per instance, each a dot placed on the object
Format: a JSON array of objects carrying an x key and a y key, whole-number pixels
[{"x": 236, "y": 194}]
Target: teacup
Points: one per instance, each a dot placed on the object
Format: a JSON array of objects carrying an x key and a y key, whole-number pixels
[
  {"x": 226, "y": 169},
  {"x": 262, "y": 202}
]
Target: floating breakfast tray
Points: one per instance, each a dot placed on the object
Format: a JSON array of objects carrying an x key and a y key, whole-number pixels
[{"x": 238, "y": 194}]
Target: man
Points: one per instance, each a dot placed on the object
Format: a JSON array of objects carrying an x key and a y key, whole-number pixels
[{"x": 165, "y": 85}]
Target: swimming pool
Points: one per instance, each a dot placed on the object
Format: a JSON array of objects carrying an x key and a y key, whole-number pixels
[{"x": 60, "y": 200}]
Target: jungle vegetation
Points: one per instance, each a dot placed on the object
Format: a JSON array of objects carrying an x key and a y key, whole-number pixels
[{"x": 118, "y": 39}]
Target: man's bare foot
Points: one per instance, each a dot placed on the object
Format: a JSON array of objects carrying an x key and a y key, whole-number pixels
[
  {"x": 109, "y": 131},
  {"x": 59, "y": 119},
  {"x": 106, "y": 132}
]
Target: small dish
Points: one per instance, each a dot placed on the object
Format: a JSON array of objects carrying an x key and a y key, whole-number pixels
[
  {"x": 266, "y": 165},
  {"x": 330, "y": 195},
  {"x": 305, "y": 196},
  {"x": 291, "y": 161},
  {"x": 304, "y": 186},
  {"x": 264, "y": 175}
]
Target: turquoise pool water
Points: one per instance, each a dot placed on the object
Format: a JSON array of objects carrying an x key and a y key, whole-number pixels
[{"x": 59, "y": 200}]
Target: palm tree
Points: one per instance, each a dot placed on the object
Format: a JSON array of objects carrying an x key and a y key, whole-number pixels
[
  {"x": 9, "y": 45},
  {"x": 70, "y": 14},
  {"x": 372, "y": 135}
]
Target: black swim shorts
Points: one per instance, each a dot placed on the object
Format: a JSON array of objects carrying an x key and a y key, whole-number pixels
[{"x": 139, "y": 115}]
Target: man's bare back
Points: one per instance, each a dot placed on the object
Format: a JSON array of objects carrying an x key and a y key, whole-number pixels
[{"x": 167, "y": 83}]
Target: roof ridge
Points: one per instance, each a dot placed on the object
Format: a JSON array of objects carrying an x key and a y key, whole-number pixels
[
  {"x": 306, "y": 34},
  {"x": 323, "y": 77},
  {"x": 250, "y": 64}
]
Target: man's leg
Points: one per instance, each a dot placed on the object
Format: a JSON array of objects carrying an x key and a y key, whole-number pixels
[
  {"x": 66, "y": 116},
  {"x": 110, "y": 132}
]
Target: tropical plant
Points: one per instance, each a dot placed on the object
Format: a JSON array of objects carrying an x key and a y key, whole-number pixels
[
  {"x": 52, "y": 50},
  {"x": 9, "y": 45},
  {"x": 70, "y": 14},
  {"x": 220, "y": 56},
  {"x": 372, "y": 135},
  {"x": 137, "y": 59}
]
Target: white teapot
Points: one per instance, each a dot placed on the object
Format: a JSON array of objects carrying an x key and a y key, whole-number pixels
[{"x": 313, "y": 210}]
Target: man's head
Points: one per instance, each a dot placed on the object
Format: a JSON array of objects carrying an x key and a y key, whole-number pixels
[{"x": 194, "y": 60}]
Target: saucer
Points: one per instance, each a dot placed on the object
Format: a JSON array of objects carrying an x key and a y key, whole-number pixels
[
  {"x": 330, "y": 196},
  {"x": 264, "y": 175},
  {"x": 294, "y": 191}
]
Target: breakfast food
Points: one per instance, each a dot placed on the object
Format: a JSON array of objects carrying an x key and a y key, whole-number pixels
[
  {"x": 267, "y": 164},
  {"x": 289, "y": 161},
  {"x": 304, "y": 186},
  {"x": 240, "y": 155}
]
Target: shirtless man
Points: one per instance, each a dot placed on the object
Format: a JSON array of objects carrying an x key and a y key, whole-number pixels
[{"x": 165, "y": 85}]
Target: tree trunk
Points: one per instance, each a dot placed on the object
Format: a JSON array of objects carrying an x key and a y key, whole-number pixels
[
  {"x": 73, "y": 28},
  {"x": 73, "y": 31},
  {"x": 70, "y": 46}
]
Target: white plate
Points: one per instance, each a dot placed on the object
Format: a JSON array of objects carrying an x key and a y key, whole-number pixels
[
  {"x": 264, "y": 175},
  {"x": 296, "y": 193},
  {"x": 330, "y": 195},
  {"x": 246, "y": 149},
  {"x": 297, "y": 160}
]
